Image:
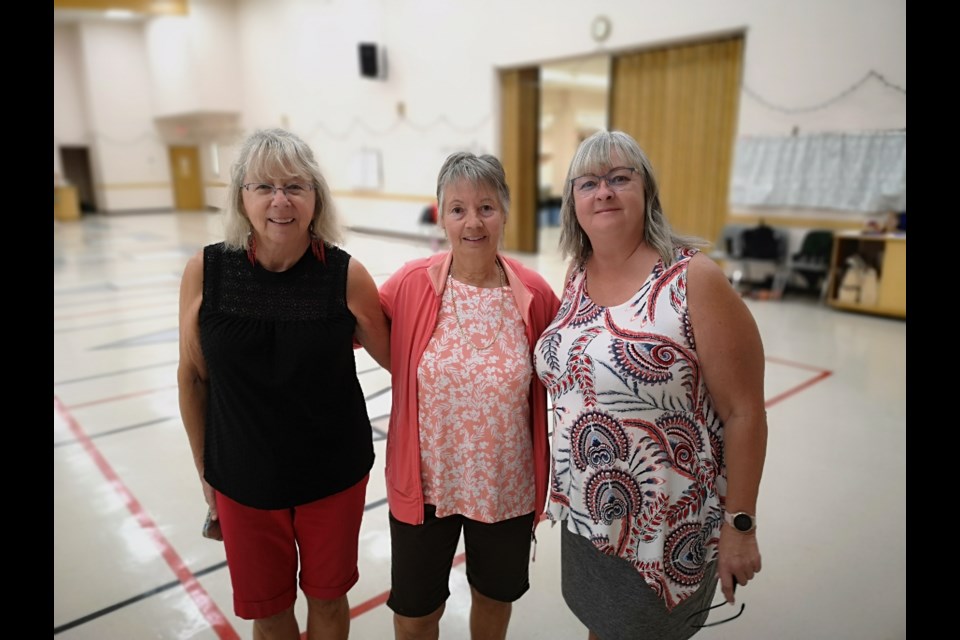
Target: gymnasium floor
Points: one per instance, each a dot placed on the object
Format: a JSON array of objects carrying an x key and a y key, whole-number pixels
[{"x": 130, "y": 563}]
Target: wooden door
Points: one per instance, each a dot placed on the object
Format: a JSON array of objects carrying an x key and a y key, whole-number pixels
[
  {"x": 519, "y": 145},
  {"x": 187, "y": 181}
]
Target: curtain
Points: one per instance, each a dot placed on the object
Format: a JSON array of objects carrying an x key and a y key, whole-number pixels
[
  {"x": 680, "y": 103},
  {"x": 849, "y": 171}
]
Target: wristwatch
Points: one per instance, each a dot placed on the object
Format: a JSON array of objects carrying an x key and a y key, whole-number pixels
[{"x": 741, "y": 521}]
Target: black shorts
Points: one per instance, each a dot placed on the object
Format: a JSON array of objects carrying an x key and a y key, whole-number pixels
[{"x": 498, "y": 560}]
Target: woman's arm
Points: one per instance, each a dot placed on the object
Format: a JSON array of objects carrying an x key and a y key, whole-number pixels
[
  {"x": 192, "y": 370},
  {"x": 363, "y": 301},
  {"x": 732, "y": 363}
]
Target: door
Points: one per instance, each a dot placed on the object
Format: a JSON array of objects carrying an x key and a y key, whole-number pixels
[
  {"x": 519, "y": 152},
  {"x": 187, "y": 183},
  {"x": 77, "y": 173}
]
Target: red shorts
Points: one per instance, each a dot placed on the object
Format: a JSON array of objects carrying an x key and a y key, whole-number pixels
[{"x": 261, "y": 546}]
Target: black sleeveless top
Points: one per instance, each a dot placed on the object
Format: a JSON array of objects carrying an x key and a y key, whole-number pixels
[{"x": 286, "y": 419}]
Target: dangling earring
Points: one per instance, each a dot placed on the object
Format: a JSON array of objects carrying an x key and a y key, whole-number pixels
[
  {"x": 316, "y": 245},
  {"x": 252, "y": 250}
]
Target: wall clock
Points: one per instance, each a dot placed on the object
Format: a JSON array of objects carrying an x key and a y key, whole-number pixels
[{"x": 600, "y": 28}]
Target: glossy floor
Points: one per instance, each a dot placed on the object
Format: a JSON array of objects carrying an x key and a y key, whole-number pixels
[{"x": 129, "y": 561}]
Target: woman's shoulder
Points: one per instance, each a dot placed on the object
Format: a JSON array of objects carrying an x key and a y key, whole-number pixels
[
  {"x": 336, "y": 256},
  {"x": 705, "y": 278},
  {"x": 533, "y": 280},
  {"x": 702, "y": 264},
  {"x": 528, "y": 275},
  {"x": 417, "y": 266},
  {"x": 525, "y": 273}
]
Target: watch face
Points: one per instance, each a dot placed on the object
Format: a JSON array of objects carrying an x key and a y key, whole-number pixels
[{"x": 743, "y": 522}]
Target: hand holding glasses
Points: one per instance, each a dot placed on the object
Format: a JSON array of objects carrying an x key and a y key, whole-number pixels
[{"x": 711, "y": 608}]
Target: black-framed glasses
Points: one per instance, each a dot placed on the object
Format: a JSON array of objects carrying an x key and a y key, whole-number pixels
[
  {"x": 711, "y": 608},
  {"x": 265, "y": 190},
  {"x": 617, "y": 179}
]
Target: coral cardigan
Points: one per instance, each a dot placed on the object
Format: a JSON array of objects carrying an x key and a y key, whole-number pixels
[{"x": 411, "y": 300}]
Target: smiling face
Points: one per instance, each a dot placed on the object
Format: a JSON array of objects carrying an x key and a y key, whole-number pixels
[
  {"x": 473, "y": 220},
  {"x": 280, "y": 215},
  {"x": 614, "y": 211}
]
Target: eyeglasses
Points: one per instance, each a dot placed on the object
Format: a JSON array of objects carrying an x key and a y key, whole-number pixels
[
  {"x": 265, "y": 190},
  {"x": 617, "y": 179},
  {"x": 711, "y": 608}
]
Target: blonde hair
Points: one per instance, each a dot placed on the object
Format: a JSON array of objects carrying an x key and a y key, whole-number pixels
[
  {"x": 596, "y": 153},
  {"x": 277, "y": 154}
]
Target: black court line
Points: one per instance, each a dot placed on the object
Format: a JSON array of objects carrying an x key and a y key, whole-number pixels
[
  {"x": 377, "y": 394},
  {"x": 370, "y": 370},
  {"x": 112, "y": 300},
  {"x": 114, "y": 323},
  {"x": 375, "y": 504},
  {"x": 165, "y": 587},
  {"x": 119, "y": 372},
  {"x": 135, "y": 599},
  {"x": 112, "y": 432}
]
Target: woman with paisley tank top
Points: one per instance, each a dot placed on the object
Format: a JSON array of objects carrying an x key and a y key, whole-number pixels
[{"x": 655, "y": 368}]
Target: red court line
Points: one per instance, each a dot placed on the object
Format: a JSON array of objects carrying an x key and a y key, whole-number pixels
[
  {"x": 378, "y": 600},
  {"x": 823, "y": 375},
  {"x": 791, "y": 363},
  {"x": 209, "y": 609},
  {"x": 381, "y": 599}
]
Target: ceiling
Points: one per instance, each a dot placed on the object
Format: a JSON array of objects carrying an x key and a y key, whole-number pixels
[{"x": 66, "y": 11}]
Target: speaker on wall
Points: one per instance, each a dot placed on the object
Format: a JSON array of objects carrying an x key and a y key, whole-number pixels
[{"x": 372, "y": 61}]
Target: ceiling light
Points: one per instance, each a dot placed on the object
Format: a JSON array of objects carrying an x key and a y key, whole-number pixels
[{"x": 119, "y": 14}]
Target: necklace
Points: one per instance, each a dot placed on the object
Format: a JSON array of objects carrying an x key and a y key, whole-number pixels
[{"x": 456, "y": 314}]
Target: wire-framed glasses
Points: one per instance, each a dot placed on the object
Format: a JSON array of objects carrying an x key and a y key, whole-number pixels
[
  {"x": 264, "y": 190},
  {"x": 617, "y": 179},
  {"x": 698, "y": 612}
]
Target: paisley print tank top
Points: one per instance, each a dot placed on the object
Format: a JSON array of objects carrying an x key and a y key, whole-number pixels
[{"x": 637, "y": 446}]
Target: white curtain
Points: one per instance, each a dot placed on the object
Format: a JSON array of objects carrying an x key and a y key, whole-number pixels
[{"x": 850, "y": 171}]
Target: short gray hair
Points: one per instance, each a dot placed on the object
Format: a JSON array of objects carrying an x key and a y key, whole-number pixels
[
  {"x": 277, "y": 154},
  {"x": 478, "y": 170},
  {"x": 596, "y": 153}
]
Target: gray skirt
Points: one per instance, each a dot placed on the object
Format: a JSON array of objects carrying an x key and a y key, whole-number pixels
[{"x": 611, "y": 599}]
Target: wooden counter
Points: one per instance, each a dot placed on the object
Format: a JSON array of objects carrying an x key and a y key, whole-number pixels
[
  {"x": 66, "y": 203},
  {"x": 885, "y": 252}
]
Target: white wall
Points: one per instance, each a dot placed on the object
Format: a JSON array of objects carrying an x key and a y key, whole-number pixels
[
  {"x": 294, "y": 63},
  {"x": 130, "y": 162},
  {"x": 193, "y": 60},
  {"x": 69, "y": 110}
]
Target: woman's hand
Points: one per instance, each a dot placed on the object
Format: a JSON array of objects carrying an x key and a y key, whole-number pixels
[
  {"x": 210, "y": 495},
  {"x": 739, "y": 559}
]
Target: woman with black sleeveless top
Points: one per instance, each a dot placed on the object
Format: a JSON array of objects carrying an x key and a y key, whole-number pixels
[{"x": 269, "y": 394}]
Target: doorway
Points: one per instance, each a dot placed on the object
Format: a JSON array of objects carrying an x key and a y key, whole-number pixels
[
  {"x": 75, "y": 162},
  {"x": 679, "y": 102},
  {"x": 573, "y": 105}
]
